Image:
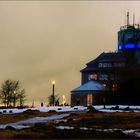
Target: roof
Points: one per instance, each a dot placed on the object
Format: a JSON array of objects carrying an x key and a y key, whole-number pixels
[
  {"x": 91, "y": 85},
  {"x": 110, "y": 56},
  {"x": 105, "y": 57}
]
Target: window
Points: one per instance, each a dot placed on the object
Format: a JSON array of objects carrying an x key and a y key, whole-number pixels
[
  {"x": 93, "y": 76},
  {"x": 103, "y": 77},
  {"x": 114, "y": 87},
  {"x": 89, "y": 99},
  {"x": 119, "y": 65},
  {"x": 104, "y": 65}
]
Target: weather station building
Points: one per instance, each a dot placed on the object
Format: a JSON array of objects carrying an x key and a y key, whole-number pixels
[{"x": 113, "y": 77}]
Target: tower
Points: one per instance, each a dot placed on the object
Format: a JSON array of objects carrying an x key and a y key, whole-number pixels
[{"x": 129, "y": 41}]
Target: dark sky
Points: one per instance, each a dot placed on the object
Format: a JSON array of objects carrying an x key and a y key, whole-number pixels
[{"x": 45, "y": 41}]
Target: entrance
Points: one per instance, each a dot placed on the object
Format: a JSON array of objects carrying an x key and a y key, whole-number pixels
[{"x": 89, "y": 99}]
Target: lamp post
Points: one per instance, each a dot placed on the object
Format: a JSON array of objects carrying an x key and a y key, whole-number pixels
[
  {"x": 53, "y": 100},
  {"x": 14, "y": 98}
]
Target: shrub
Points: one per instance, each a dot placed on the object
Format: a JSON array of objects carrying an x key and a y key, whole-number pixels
[{"x": 51, "y": 111}]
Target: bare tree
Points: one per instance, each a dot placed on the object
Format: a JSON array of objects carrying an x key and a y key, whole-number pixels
[
  {"x": 21, "y": 97},
  {"x": 11, "y": 92}
]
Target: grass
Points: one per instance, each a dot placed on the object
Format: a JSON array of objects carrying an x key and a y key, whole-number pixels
[
  {"x": 9, "y": 118},
  {"x": 120, "y": 120}
]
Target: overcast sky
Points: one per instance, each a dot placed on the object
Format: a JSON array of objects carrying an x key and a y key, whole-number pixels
[{"x": 45, "y": 41}]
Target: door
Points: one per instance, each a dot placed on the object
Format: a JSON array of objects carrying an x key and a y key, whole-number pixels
[{"x": 89, "y": 99}]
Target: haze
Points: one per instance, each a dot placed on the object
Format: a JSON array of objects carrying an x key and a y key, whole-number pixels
[{"x": 45, "y": 41}]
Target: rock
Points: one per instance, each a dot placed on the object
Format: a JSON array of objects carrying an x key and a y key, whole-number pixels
[{"x": 10, "y": 128}]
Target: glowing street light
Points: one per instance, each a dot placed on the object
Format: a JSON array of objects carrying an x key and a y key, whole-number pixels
[
  {"x": 53, "y": 101},
  {"x": 53, "y": 82}
]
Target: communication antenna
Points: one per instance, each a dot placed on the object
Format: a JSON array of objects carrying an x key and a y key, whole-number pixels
[
  {"x": 138, "y": 23},
  {"x": 133, "y": 19},
  {"x": 127, "y": 18}
]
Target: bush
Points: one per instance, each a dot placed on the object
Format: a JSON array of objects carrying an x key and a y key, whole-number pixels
[
  {"x": 92, "y": 109},
  {"x": 116, "y": 107},
  {"x": 127, "y": 108},
  {"x": 51, "y": 111},
  {"x": 29, "y": 111}
]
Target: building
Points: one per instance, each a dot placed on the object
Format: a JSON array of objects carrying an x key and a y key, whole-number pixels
[{"x": 118, "y": 71}]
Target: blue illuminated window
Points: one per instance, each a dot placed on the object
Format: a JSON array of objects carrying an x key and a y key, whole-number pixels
[
  {"x": 129, "y": 46},
  {"x": 120, "y": 47},
  {"x": 138, "y": 45}
]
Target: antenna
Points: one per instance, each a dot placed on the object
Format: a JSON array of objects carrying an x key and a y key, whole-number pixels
[
  {"x": 138, "y": 23},
  {"x": 127, "y": 18},
  {"x": 133, "y": 19}
]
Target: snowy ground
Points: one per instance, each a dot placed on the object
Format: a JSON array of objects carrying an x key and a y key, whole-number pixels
[
  {"x": 26, "y": 123},
  {"x": 108, "y": 108}
]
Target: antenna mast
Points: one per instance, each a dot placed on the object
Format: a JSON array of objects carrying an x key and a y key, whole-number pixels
[
  {"x": 133, "y": 19},
  {"x": 127, "y": 18}
]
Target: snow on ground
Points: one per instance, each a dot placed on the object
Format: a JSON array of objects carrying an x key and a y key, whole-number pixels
[
  {"x": 26, "y": 123},
  {"x": 137, "y": 134},
  {"x": 108, "y": 108},
  {"x": 127, "y": 131},
  {"x": 64, "y": 127}
]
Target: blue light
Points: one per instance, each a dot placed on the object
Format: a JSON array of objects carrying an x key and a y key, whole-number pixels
[
  {"x": 120, "y": 47},
  {"x": 138, "y": 45},
  {"x": 129, "y": 46}
]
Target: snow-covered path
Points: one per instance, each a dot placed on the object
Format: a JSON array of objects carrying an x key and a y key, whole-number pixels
[{"x": 26, "y": 123}]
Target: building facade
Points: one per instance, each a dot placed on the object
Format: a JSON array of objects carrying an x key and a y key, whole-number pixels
[{"x": 118, "y": 71}]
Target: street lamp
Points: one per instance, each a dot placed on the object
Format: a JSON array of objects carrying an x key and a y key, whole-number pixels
[
  {"x": 14, "y": 98},
  {"x": 53, "y": 100}
]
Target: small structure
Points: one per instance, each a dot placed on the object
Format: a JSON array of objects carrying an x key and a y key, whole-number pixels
[{"x": 90, "y": 93}]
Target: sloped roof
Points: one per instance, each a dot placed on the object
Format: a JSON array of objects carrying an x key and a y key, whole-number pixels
[
  {"x": 105, "y": 57},
  {"x": 92, "y": 85},
  {"x": 110, "y": 56}
]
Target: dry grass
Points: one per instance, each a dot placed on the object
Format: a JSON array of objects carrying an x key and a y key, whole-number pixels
[
  {"x": 120, "y": 120},
  {"x": 91, "y": 120},
  {"x": 9, "y": 118}
]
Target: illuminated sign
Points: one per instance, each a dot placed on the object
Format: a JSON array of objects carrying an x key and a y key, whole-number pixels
[
  {"x": 129, "y": 46},
  {"x": 138, "y": 45}
]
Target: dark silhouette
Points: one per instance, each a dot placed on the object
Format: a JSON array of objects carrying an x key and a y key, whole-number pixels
[{"x": 11, "y": 93}]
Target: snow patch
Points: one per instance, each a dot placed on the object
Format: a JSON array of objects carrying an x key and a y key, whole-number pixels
[
  {"x": 64, "y": 127},
  {"x": 26, "y": 123}
]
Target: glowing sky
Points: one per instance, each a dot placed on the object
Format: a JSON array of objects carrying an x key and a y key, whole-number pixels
[{"x": 45, "y": 41}]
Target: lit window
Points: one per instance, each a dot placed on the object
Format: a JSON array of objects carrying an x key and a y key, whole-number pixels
[
  {"x": 129, "y": 46},
  {"x": 104, "y": 65},
  {"x": 93, "y": 76},
  {"x": 103, "y": 77},
  {"x": 114, "y": 87},
  {"x": 104, "y": 85},
  {"x": 89, "y": 99},
  {"x": 100, "y": 65}
]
